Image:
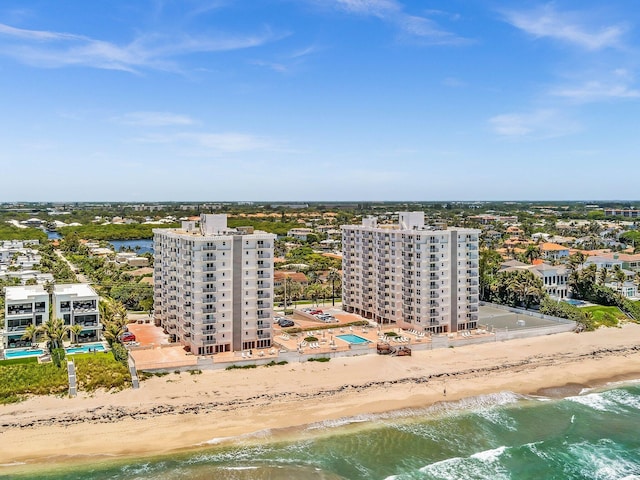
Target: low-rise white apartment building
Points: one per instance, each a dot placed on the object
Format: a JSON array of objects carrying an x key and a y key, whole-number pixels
[
  {"x": 24, "y": 306},
  {"x": 300, "y": 233},
  {"x": 77, "y": 304},
  {"x": 411, "y": 275},
  {"x": 213, "y": 286}
]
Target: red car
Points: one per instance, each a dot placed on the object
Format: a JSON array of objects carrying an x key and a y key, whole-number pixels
[
  {"x": 127, "y": 337},
  {"x": 316, "y": 312}
]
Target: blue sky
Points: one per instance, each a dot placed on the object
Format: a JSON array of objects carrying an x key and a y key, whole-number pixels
[{"x": 334, "y": 100}]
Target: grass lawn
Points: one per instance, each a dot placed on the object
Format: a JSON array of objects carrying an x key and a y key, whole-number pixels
[
  {"x": 19, "y": 378},
  {"x": 605, "y": 316},
  {"x": 100, "y": 370}
]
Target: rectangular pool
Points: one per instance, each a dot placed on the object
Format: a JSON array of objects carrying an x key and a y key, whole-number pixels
[
  {"x": 94, "y": 347},
  {"x": 350, "y": 338},
  {"x": 22, "y": 352}
]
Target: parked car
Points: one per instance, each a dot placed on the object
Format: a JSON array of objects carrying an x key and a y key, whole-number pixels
[
  {"x": 127, "y": 337},
  {"x": 283, "y": 322},
  {"x": 316, "y": 312}
]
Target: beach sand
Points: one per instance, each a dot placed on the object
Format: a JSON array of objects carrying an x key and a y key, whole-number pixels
[{"x": 174, "y": 412}]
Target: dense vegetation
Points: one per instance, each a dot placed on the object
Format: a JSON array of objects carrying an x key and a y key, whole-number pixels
[
  {"x": 101, "y": 370},
  {"x": 9, "y": 232},
  {"x": 17, "y": 381},
  {"x": 270, "y": 226},
  {"x": 27, "y": 377},
  {"x": 110, "y": 279}
]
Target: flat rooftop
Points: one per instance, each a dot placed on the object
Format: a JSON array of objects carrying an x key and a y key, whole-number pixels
[
  {"x": 75, "y": 289},
  {"x": 25, "y": 292}
]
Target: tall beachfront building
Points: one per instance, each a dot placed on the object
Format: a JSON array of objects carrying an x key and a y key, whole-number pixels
[
  {"x": 213, "y": 286},
  {"x": 411, "y": 274}
]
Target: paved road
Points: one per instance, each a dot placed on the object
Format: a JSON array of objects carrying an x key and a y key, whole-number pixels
[{"x": 74, "y": 269}]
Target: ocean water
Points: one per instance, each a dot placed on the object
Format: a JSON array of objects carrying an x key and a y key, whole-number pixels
[{"x": 593, "y": 435}]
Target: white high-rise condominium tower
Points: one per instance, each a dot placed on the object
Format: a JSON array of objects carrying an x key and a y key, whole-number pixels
[
  {"x": 410, "y": 274},
  {"x": 213, "y": 286}
]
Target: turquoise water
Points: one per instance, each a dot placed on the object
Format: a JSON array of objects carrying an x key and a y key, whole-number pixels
[
  {"x": 85, "y": 348},
  {"x": 352, "y": 338},
  {"x": 28, "y": 352},
  {"x": 22, "y": 352},
  {"x": 502, "y": 436}
]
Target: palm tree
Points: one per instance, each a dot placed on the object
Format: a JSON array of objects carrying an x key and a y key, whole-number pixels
[
  {"x": 76, "y": 330},
  {"x": 32, "y": 333},
  {"x": 620, "y": 277},
  {"x": 590, "y": 273},
  {"x": 113, "y": 315},
  {"x": 603, "y": 275},
  {"x": 113, "y": 332},
  {"x": 333, "y": 277},
  {"x": 55, "y": 332},
  {"x": 532, "y": 253},
  {"x": 528, "y": 289}
]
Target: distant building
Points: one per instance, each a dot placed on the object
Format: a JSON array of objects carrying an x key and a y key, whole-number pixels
[
  {"x": 625, "y": 213},
  {"x": 300, "y": 233},
  {"x": 553, "y": 251},
  {"x": 411, "y": 275}
]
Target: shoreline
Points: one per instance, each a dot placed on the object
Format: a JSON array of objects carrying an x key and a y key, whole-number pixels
[{"x": 182, "y": 413}]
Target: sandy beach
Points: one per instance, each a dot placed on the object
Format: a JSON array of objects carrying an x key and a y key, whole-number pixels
[{"x": 180, "y": 411}]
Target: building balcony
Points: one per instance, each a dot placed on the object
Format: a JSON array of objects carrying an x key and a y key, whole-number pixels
[
  {"x": 209, "y": 342},
  {"x": 19, "y": 312},
  {"x": 264, "y": 315},
  {"x": 209, "y": 321}
]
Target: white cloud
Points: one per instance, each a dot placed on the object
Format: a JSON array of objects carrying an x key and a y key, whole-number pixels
[
  {"x": 546, "y": 22},
  {"x": 154, "y": 119},
  {"x": 537, "y": 124},
  {"x": 391, "y": 11},
  {"x": 226, "y": 142},
  {"x": 55, "y": 49},
  {"x": 596, "y": 90}
]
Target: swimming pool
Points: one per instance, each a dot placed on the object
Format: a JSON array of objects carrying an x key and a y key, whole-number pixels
[
  {"x": 350, "y": 338},
  {"x": 22, "y": 352},
  {"x": 572, "y": 301},
  {"x": 97, "y": 347}
]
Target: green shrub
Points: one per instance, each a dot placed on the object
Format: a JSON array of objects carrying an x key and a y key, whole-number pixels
[
  {"x": 120, "y": 353},
  {"x": 57, "y": 356},
  {"x": 236, "y": 367},
  {"x": 310, "y": 339},
  {"x": 273, "y": 363},
  {"x": 319, "y": 359},
  {"x": 101, "y": 371},
  {"x": 195, "y": 372}
]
